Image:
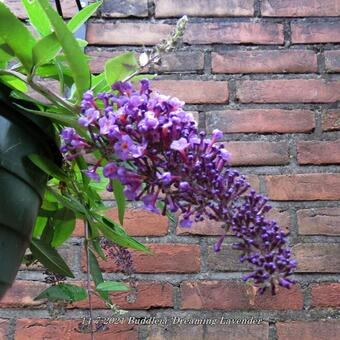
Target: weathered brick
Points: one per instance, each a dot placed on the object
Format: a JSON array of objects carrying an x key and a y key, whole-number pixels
[
  {"x": 255, "y": 61},
  {"x": 319, "y": 221},
  {"x": 317, "y": 257},
  {"x": 69, "y": 8},
  {"x": 194, "y": 91},
  {"x": 149, "y": 295},
  {"x": 288, "y": 91},
  {"x": 125, "y": 8},
  {"x": 219, "y": 8},
  {"x": 237, "y": 332},
  {"x": 332, "y": 61},
  {"x": 226, "y": 260},
  {"x": 166, "y": 258},
  {"x": 70, "y": 330},
  {"x": 137, "y": 222},
  {"x": 127, "y": 33},
  {"x": 331, "y": 120},
  {"x": 261, "y": 121},
  {"x": 318, "y": 152},
  {"x": 309, "y": 330},
  {"x": 315, "y": 32},
  {"x": 230, "y": 295},
  {"x": 304, "y": 187},
  {"x": 258, "y": 153},
  {"x": 302, "y": 8},
  {"x": 22, "y": 293},
  {"x": 234, "y": 33},
  {"x": 3, "y": 328},
  {"x": 325, "y": 295},
  {"x": 177, "y": 330}
]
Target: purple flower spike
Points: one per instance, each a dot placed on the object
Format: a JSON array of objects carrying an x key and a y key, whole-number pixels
[
  {"x": 92, "y": 174},
  {"x": 110, "y": 171},
  {"x": 185, "y": 223},
  {"x": 179, "y": 145}
]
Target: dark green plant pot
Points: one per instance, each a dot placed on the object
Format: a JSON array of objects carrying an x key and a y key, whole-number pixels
[{"x": 22, "y": 184}]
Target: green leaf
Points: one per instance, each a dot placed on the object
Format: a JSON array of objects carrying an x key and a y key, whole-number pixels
[
  {"x": 120, "y": 67},
  {"x": 50, "y": 258},
  {"x": 143, "y": 76},
  {"x": 112, "y": 286},
  {"x": 118, "y": 190},
  {"x": 40, "y": 224},
  {"x": 14, "y": 33},
  {"x": 64, "y": 222},
  {"x": 97, "y": 274},
  {"x": 14, "y": 83},
  {"x": 64, "y": 292},
  {"x": 37, "y": 17},
  {"x": 74, "y": 55},
  {"x": 96, "y": 246},
  {"x": 122, "y": 240},
  {"x": 99, "y": 83},
  {"x": 68, "y": 201},
  {"x": 48, "y": 167}
]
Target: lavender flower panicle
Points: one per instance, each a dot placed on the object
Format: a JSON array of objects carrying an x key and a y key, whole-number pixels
[{"x": 154, "y": 148}]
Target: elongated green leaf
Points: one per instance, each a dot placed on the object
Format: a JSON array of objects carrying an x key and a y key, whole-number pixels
[
  {"x": 48, "y": 167},
  {"x": 4, "y": 53},
  {"x": 63, "y": 292},
  {"x": 40, "y": 224},
  {"x": 50, "y": 258},
  {"x": 118, "y": 190},
  {"x": 98, "y": 249},
  {"x": 112, "y": 286},
  {"x": 64, "y": 222},
  {"x": 120, "y": 67},
  {"x": 97, "y": 274},
  {"x": 37, "y": 17},
  {"x": 122, "y": 240},
  {"x": 74, "y": 55},
  {"x": 14, "y": 83},
  {"x": 68, "y": 202},
  {"x": 14, "y": 33},
  {"x": 99, "y": 83},
  {"x": 49, "y": 47}
]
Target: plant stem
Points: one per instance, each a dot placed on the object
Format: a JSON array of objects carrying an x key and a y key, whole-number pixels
[
  {"x": 88, "y": 278},
  {"x": 53, "y": 97}
]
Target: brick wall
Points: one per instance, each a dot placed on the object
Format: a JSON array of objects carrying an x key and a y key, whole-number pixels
[{"x": 264, "y": 72}]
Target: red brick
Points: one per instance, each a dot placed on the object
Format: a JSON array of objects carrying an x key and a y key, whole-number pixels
[
  {"x": 3, "y": 328},
  {"x": 194, "y": 91},
  {"x": 319, "y": 221},
  {"x": 237, "y": 332},
  {"x": 149, "y": 295},
  {"x": 261, "y": 121},
  {"x": 22, "y": 293},
  {"x": 332, "y": 61},
  {"x": 325, "y": 295},
  {"x": 226, "y": 260},
  {"x": 309, "y": 330},
  {"x": 69, "y": 330},
  {"x": 302, "y": 8},
  {"x": 229, "y": 295},
  {"x": 258, "y": 153},
  {"x": 288, "y": 91},
  {"x": 317, "y": 152},
  {"x": 177, "y": 331},
  {"x": 317, "y": 257},
  {"x": 69, "y": 8},
  {"x": 255, "y": 61},
  {"x": 331, "y": 120},
  {"x": 234, "y": 33},
  {"x": 304, "y": 187},
  {"x": 127, "y": 33},
  {"x": 167, "y": 258},
  {"x": 315, "y": 32},
  {"x": 219, "y": 8},
  {"x": 127, "y": 8},
  {"x": 137, "y": 222}
]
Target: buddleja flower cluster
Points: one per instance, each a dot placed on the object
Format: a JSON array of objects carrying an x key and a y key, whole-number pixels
[{"x": 152, "y": 146}]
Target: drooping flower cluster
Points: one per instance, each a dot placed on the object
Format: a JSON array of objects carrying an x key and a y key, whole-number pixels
[{"x": 152, "y": 146}]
